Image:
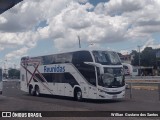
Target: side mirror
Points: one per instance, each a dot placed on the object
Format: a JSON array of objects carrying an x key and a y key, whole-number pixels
[{"x": 96, "y": 65}]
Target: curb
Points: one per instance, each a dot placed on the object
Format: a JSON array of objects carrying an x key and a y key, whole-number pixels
[{"x": 145, "y": 87}]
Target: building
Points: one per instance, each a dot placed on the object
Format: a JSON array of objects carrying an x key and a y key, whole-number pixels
[{"x": 125, "y": 58}]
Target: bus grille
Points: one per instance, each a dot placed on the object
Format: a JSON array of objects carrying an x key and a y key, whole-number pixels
[{"x": 113, "y": 93}]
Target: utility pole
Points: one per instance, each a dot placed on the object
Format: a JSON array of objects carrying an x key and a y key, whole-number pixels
[
  {"x": 139, "y": 58},
  {"x": 79, "y": 41}
]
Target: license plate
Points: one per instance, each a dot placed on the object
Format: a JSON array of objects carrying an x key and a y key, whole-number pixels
[{"x": 114, "y": 96}]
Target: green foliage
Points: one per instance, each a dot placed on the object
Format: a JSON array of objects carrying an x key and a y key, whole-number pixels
[
  {"x": 147, "y": 57},
  {"x": 14, "y": 73},
  {"x": 135, "y": 61},
  {"x": 4, "y": 75}
]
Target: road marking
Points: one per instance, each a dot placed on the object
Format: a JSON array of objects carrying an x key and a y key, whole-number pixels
[{"x": 2, "y": 96}]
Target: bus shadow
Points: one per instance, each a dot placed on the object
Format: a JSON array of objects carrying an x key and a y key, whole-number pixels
[
  {"x": 56, "y": 97},
  {"x": 84, "y": 100},
  {"x": 102, "y": 101}
]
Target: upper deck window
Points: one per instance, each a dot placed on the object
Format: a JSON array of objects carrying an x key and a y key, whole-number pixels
[
  {"x": 82, "y": 56},
  {"x": 106, "y": 58}
]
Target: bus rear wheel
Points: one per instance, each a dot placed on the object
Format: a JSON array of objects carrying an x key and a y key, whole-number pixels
[
  {"x": 37, "y": 91},
  {"x": 31, "y": 91},
  {"x": 78, "y": 95}
]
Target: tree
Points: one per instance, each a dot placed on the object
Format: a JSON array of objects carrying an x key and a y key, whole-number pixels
[
  {"x": 135, "y": 60},
  {"x": 147, "y": 57},
  {"x": 5, "y": 75},
  {"x": 14, "y": 73}
]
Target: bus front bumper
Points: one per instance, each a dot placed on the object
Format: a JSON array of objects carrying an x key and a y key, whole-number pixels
[{"x": 115, "y": 96}]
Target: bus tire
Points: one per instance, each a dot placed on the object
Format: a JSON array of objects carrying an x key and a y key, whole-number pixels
[
  {"x": 78, "y": 95},
  {"x": 37, "y": 90},
  {"x": 31, "y": 90}
]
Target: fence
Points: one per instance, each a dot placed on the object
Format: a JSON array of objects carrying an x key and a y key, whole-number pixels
[
  {"x": 146, "y": 83},
  {"x": 142, "y": 78}
]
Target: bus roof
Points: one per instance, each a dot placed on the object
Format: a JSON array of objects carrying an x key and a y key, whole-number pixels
[{"x": 67, "y": 51}]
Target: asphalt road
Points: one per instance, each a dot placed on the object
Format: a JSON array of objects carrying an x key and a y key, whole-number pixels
[{"x": 15, "y": 100}]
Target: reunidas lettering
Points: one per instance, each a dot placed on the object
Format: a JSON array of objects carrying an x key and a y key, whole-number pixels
[{"x": 54, "y": 69}]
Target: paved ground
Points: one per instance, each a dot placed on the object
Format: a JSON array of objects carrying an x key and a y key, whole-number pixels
[{"x": 15, "y": 100}]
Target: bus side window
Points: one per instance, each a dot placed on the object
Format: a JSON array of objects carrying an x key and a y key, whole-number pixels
[
  {"x": 85, "y": 56},
  {"x": 100, "y": 82},
  {"x": 58, "y": 77},
  {"x": 89, "y": 75},
  {"x": 87, "y": 71},
  {"x": 47, "y": 76},
  {"x": 92, "y": 78},
  {"x": 75, "y": 58},
  {"x": 98, "y": 71},
  {"x": 81, "y": 56},
  {"x": 69, "y": 79}
]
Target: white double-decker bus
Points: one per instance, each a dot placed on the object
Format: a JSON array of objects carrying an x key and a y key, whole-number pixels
[
  {"x": 92, "y": 74},
  {"x": 1, "y": 83}
]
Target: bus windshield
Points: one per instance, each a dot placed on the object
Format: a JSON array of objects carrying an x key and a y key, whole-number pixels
[
  {"x": 110, "y": 81},
  {"x": 106, "y": 58},
  {"x": 112, "y": 77}
]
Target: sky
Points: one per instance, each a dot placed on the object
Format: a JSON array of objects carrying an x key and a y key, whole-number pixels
[{"x": 40, "y": 27}]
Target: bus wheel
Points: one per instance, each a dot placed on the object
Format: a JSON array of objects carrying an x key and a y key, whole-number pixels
[
  {"x": 31, "y": 91},
  {"x": 37, "y": 91},
  {"x": 78, "y": 95}
]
